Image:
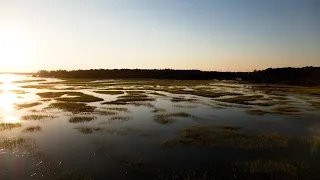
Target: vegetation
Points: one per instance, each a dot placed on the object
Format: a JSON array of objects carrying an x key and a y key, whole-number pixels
[
  {"x": 285, "y": 109},
  {"x": 81, "y": 119},
  {"x": 110, "y": 92},
  {"x": 9, "y": 126},
  {"x": 165, "y": 118},
  {"x": 37, "y": 117},
  {"x": 87, "y": 130},
  {"x": 276, "y": 110},
  {"x": 73, "y": 107},
  {"x": 227, "y": 136},
  {"x": 116, "y": 109},
  {"x": 27, "y": 105},
  {"x": 178, "y": 99},
  {"x": 32, "y": 129},
  {"x": 293, "y": 76},
  {"x": 105, "y": 113},
  {"x": 120, "y": 118},
  {"x": 12, "y": 142},
  {"x": 241, "y": 99},
  {"x": 80, "y": 97}
]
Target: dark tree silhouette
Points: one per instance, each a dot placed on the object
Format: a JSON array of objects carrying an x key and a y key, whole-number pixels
[{"x": 293, "y": 76}]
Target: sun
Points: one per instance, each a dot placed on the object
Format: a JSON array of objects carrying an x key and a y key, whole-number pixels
[{"x": 14, "y": 48}]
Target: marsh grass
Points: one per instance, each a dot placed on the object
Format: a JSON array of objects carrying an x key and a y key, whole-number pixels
[
  {"x": 179, "y": 99},
  {"x": 27, "y": 105},
  {"x": 81, "y": 119},
  {"x": 157, "y": 110},
  {"x": 167, "y": 118},
  {"x": 270, "y": 103},
  {"x": 9, "y": 126},
  {"x": 285, "y": 109},
  {"x": 32, "y": 129},
  {"x": 28, "y": 81},
  {"x": 162, "y": 119},
  {"x": 185, "y": 106},
  {"x": 37, "y": 117},
  {"x": 138, "y": 104},
  {"x": 12, "y": 142},
  {"x": 120, "y": 118},
  {"x": 18, "y": 91},
  {"x": 87, "y": 130},
  {"x": 80, "y": 97},
  {"x": 241, "y": 99},
  {"x": 226, "y": 137},
  {"x": 73, "y": 107},
  {"x": 157, "y": 94},
  {"x": 105, "y": 113},
  {"x": 316, "y": 105},
  {"x": 39, "y": 86},
  {"x": 274, "y": 169},
  {"x": 120, "y": 109},
  {"x": 110, "y": 92}
]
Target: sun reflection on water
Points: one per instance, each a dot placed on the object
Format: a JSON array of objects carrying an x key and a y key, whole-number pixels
[{"x": 8, "y": 98}]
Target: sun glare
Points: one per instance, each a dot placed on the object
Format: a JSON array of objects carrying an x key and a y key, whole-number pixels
[
  {"x": 8, "y": 98},
  {"x": 14, "y": 48}
]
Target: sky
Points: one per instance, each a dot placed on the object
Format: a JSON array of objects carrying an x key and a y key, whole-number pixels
[{"x": 219, "y": 35}]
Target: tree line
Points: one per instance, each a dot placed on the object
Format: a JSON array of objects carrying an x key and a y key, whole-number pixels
[{"x": 295, "y": 76}]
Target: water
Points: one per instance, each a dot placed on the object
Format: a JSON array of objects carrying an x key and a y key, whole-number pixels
[{"x": 114, "y": 153}]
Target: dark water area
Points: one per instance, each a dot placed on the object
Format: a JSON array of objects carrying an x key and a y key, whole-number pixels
[{"x": 128, "y": 143}]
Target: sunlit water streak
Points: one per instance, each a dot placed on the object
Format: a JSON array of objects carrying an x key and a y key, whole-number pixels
[{"x": 8, "y": 98}]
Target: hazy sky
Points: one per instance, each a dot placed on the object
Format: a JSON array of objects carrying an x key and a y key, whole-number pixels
[{"x": 233, "y": 35}]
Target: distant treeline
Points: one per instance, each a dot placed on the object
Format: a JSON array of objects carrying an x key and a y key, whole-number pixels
[{"x": 294, "y": 76}]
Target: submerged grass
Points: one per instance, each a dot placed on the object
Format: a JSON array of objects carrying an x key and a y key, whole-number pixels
[
  {"x": 9, "y": 126},
  {"x": 73, "y": 107},
  {"x": 27, "y": 105},
  {"x": 32, "y": 129},
  {"x": 228, "y": 137},
  {"x": 179, "y": 99},
  {"x": 81, "y": 119},
  {"x": 285, "y": 110},
  {"x": 37, "y": 117},
  {"x": 156, "y": 110},
  {"x": 270, "y": 103},
  {"x": 166, "y": 118},
  {"x": 12, "y": 142}
]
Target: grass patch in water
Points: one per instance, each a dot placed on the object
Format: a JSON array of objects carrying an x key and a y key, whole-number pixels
[
  {"x": 110, "y": 92},
  {"x": 226, "y": 137},
  {"x": 285, "y": 109},
  {"x": 162, "y": 119},
  {"x": 9, "y": 126},
  {"x": 73, "y": 107},
  {"x": 32, "y": 129},
  {"x": 87, "y": 130},
  {"x": 105, "y": 113},
  {"x": 81, "y": 119},
  {"x": 18, "y": 91},
  {"x": 241, "y": 99},
  {"x": 120, "y": 118},
  {"x": 185, "y": 106},
  {"x": 270, "y": 169},
  {"x": 39, "y": 86},
  {"x": 165, "y": 118},
  {"x": 270, "y": 103},
  {"x": 316, "y": 105},
  {"x": 12, "y": 142},
  {"x": 80, "y": 97},
  {"x": 179, "y": 99},
  {"x": 116, "y": 109},
  {"x": 156, "y": 94},
  {"x": 138, "y": 104},
  {"x": 27, "y": 105},
  {"x": 37, "y": 117},
  {"x": 156, "y": 110}
]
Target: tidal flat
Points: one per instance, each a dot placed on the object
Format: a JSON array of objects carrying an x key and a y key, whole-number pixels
[{"x": 158, "y": 129}]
